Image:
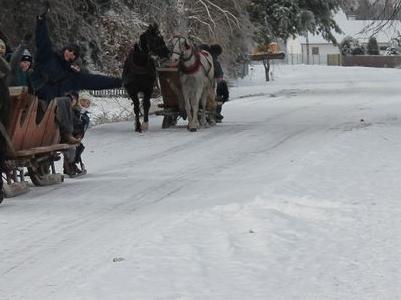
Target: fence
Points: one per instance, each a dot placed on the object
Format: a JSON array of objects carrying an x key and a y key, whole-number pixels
[
  {"x": 334, "y": 60},
  {"x": 298, "y": 59},
  {"x": 376, "y": 61},
  {"x": 116, "y": 93}
]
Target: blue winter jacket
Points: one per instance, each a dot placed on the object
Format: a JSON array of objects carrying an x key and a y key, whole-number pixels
[{"x": 53, "y": 76}]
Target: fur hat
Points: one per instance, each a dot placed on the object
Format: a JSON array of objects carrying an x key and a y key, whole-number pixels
[
  {"x": 85, "y": 95},
  {"x": 26, "y": 56}
]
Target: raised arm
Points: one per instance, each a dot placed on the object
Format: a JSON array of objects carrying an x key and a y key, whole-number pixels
[
  {"x": 42, "y": 39},
  {"x": 97, "y": 82}
]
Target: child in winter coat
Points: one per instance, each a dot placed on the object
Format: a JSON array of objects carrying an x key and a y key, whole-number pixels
[{"x": 73, "y": 164}]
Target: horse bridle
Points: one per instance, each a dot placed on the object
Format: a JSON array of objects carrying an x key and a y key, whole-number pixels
[
  {"x": 181, "y": 53},
  {"x": 154, "y": 49}
]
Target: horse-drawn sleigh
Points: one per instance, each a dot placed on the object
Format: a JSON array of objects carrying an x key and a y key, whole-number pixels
[
  {"x": 33, "y": 143},
  {"x": 187, "y": 86}
]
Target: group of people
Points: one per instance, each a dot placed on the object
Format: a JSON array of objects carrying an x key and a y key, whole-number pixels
[
  {"x": 58, "y": 75},
  {"x": 50, "y": 75}
]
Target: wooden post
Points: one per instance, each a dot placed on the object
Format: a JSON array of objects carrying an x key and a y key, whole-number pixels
[{"x": 266, "y": 64}]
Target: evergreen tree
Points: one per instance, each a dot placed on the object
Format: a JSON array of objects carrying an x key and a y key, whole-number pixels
[{"x": 373, "y": 47}]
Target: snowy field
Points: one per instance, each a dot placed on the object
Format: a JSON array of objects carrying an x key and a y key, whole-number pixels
[{"x": 296, "y": 195}]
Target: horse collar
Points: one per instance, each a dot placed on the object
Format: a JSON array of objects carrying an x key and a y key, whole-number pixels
[{"x": 191, "y": 69}]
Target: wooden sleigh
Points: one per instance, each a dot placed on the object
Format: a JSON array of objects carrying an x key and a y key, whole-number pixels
[
  {"x": 173, "y": 100},
  {"x": 33, "y": 143}
]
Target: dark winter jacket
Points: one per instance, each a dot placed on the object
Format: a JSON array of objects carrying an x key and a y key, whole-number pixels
[
  {"x": 53, "y": 76},
  {"x": 18, "y": 77},
  {"x": 218, "y": 70},
  {"x": 222, "y": 92}
]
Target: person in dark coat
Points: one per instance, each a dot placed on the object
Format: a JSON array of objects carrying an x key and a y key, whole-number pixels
[
  {"x": 20, "y": 64},
  {"x": 55, "y": 74},
  {"x": 4, "y": 117},
  {"x": 222, "y": 93}
]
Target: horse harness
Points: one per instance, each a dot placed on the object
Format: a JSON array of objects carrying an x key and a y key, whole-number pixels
[{"x": 195, "y": 67}]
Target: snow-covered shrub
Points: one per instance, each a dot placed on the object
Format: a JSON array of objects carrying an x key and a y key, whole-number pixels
[{"x": 351, "y": 46}]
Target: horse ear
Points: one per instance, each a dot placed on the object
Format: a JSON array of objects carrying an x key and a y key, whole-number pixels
[{"x": 187, "y": 46}]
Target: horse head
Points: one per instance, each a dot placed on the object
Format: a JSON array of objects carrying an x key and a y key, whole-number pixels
[
  {"x": 182, "y": 49},
  {"x": 152, "y": 41}
]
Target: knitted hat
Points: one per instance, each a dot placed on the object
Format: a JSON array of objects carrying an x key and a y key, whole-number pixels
[
  {"x": 85, "y": 95},
  {"x": 26, "y": 56},
  {"x": 216, "y": 49}
]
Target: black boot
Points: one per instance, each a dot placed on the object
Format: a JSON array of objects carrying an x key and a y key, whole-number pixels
[{"x": 219, "y": 116}]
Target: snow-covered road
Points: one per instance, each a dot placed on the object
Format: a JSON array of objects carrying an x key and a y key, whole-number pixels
[{"x": 295, "y": 196}]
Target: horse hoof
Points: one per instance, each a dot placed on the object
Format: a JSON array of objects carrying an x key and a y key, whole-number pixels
[{"x": 193, "y": 129}]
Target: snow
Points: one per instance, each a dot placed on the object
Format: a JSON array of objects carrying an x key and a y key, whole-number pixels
[{"x": 294, "y": 196}]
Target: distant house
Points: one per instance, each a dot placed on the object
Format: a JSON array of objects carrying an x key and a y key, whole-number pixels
[{"x": 319, "y": 48}]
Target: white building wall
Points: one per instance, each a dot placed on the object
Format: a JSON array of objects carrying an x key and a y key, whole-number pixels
[{"x": 321, "y": 57}]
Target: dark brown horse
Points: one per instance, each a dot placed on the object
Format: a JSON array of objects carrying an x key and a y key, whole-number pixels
[{"x": 139, "y": 72}]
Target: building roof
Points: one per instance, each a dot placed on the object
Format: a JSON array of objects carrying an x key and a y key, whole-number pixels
[{"x": 359, "y": 29}]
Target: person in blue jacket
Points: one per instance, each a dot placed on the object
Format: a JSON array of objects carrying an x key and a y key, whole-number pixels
[{"x": 56, "y": 73}]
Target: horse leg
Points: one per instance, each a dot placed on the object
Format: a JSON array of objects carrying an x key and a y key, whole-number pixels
[
  {"x": 188, "y": 108},
  {"x": 146, "y": 107},
  {"x": 212, "y": 105},
  {"x": 135, "y": 100},
  {"x": 195, "y": 108},
  {"x": 203, "y": 102}
]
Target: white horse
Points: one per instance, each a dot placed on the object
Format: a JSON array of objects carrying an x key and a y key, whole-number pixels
[{"x": 197, "y": 79}]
